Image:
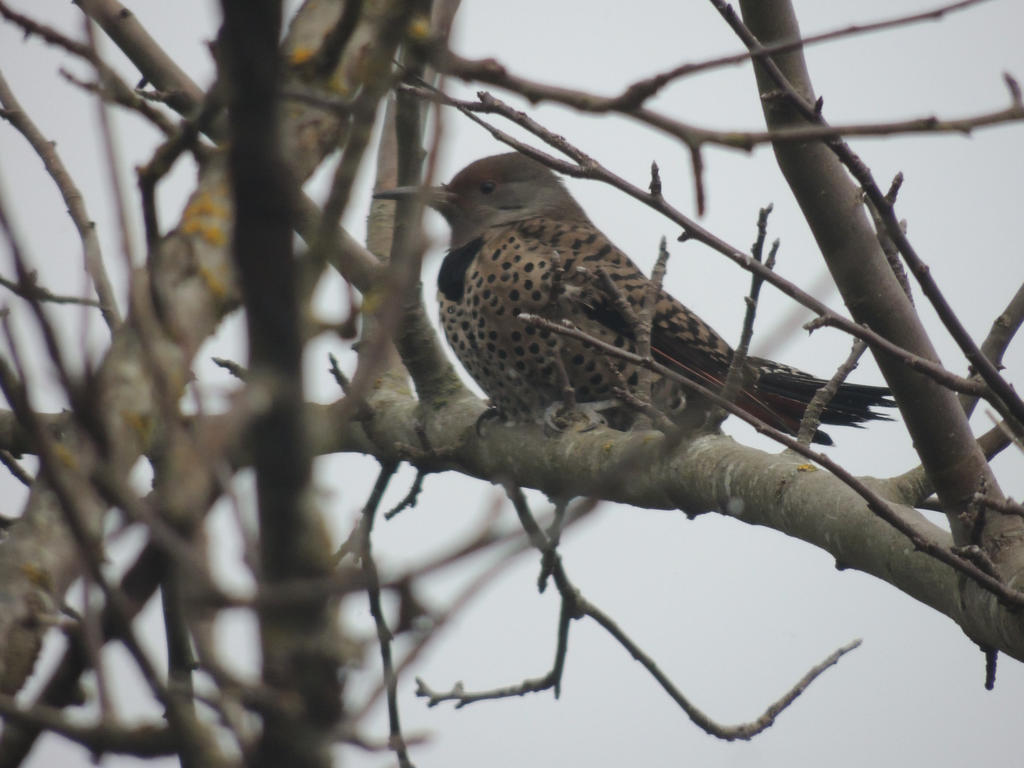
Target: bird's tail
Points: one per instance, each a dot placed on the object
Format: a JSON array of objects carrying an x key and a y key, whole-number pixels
[{"x": 788, "y": 391}]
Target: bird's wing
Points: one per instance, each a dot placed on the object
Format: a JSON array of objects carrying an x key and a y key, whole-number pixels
[{"x": 680, "y": 339}]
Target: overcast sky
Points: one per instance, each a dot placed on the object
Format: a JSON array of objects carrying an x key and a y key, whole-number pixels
[{"x": 733, "y": 614}]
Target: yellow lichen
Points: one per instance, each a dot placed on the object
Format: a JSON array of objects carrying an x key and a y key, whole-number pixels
[
  {"x": 214, "y": 234},
  {"x": 197, "y": 219},
  {"x": 373, "y": 300},
  {"x": 340, "y": 87},
  {"x": 204, "y": 204},
  {"x": 419, "y": 28},
  {"x": 211, "y": 233},
  {"x": 64, "y": 456},
  {"x": 214, "y": 283},
  {"x": 138, "y": 422},
  {"x": 806, "y": 468},
  {"x": 301, "y": 54},
  {"x": 38, "y": 576}
]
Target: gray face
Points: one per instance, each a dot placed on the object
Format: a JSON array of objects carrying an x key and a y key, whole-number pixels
[{"x": 500, "y": 190}]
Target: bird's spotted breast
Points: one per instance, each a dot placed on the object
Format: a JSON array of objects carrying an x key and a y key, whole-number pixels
[{"x": 516, "y": 364}]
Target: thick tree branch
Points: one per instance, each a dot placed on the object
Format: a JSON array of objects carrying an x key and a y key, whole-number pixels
[
  {"x": 691, "y": 477},
  {"x": 951, "y": 457},
  {"x": 295, "y": 643},
  {"x": 831, "y": 204},
  {"x": 120, "y": 24}
]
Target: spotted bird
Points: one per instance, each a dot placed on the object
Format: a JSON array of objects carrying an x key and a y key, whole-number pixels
[{"x": 521, "y": 244}]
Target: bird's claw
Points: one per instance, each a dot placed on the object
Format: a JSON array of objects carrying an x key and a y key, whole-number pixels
[
  {"x": 485, "y": 418},
  {"x": 583, "y": 418}
]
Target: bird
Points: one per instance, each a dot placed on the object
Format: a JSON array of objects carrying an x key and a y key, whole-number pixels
[{"x": 521, "y": 245}]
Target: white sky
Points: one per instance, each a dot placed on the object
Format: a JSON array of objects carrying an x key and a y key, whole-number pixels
[{"x": 734, "y": 615}]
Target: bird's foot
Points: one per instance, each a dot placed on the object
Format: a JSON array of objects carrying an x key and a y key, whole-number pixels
[
  {"x": 492, "y": 414},
  {"x": 583, "y": 418}
]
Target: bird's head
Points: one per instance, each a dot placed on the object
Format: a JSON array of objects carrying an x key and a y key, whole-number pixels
[{"x": 495, "y": 190}]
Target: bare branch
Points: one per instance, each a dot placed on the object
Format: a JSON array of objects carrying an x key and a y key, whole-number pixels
[
  {"x": 155, "y": 740},
  {"x": 8, "y": 460},
  {"x": 812, "y": 416},
  {"x": 410, "y": 499},
  {"x": 892, "y": 253},
  {"x": 575, "y": 606},
  {"x": 1006, "y": 506},
  {"x": 744, "y": 731},
  {"x": 734, "y": 377},
  {"x": 630, "y": 101},
  {"x": 633, "y": 96},
  {"x": 78, "y": 503},
  {"x": 1004, "y": 328},
  {"x": 61, "y": 688},
  {"x": 30, "y": 289},
  {"x": 160, "y": 69},
  {"x": 47, "y": 152},
  {"x": 117, "y": 92},
  {"x": 384, "y": 635},
  {"x": 297, "y": 658}
]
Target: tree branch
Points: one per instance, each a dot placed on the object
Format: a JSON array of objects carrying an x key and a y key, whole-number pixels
[{"x": 831, "y": 205}]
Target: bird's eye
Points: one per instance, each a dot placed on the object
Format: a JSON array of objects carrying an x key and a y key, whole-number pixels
[{"x": 487, "y": 187}]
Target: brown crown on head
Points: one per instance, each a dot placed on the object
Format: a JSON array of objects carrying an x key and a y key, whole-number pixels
[{"x": 497, "y": 190}]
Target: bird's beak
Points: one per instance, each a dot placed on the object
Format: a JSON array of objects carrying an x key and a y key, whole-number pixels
[{"x": 438, "y": 198}]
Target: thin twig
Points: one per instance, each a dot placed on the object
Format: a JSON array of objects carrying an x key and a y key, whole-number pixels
[
  {"x": 30, "y": 289},
  {"x": 411, "y": 497},
  {"x": 384, "y": 635},
  {"x": 1004, "y": 328},
  {"x": 812, "y": 415},
  {"x": 892, "y": 253},
  {"x": 734, "y": 377},
  {"x": 240, "y": 372},
  {"x": 93, "y": 255},
  {"x": 118, "y": 92},
  {"x": 745, "y": 731},
  {"x": 8, "y": 460},
  {"x": 112, "y": 156},
  {"x": 334, "y": 41},
  {"x": 1006, "y": 506}
]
